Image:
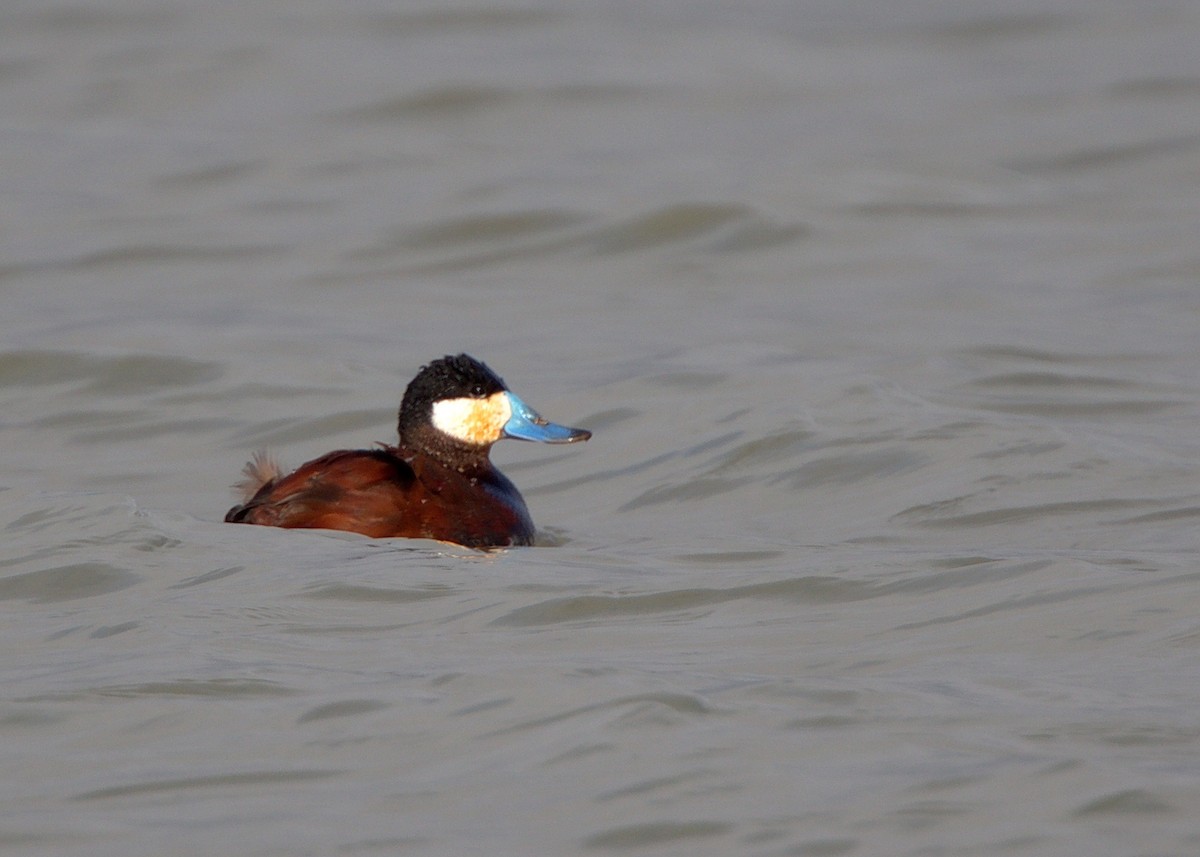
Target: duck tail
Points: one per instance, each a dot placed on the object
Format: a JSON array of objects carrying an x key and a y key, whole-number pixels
[{"x": 260, "y": 471}]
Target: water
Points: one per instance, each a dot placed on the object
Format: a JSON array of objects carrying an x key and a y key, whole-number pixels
[{"x": 884, "y": 317}]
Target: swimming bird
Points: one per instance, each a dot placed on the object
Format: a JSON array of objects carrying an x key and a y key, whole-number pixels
[{"x": 436, "y": 483}]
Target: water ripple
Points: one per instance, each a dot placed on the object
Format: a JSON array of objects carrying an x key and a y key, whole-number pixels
[
  {"x": 479, "y": 240},
  {"x": 595, "y": 608},
  {"x": 1131, "y": 801},
  {"x": 373, "y": 594},
  {"x": 935, "y": 514},
  {"x": 680, "y": 703},
  {"x": 219, "y": 781},
  {"x": 222, "y": 688},
  {"x": 173, "y": 254},
  {"x": 132, "y": 374},
  {"x": 67, "y": 583},
  {"x": 1107, "y": 157},
  {"x": 655, "y": 834},
  {"x": 343, "y": 708}
]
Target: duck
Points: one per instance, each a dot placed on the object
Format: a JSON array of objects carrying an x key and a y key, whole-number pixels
[{"x": 437, "y": 482}]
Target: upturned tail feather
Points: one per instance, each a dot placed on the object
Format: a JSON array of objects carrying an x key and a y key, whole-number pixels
[{"x": 261, "y": 470}]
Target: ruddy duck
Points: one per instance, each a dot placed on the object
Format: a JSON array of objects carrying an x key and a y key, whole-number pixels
[{"x": 437, "y": 483}]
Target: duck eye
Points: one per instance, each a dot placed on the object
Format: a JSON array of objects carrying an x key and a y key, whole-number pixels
[{"x": 477, "y": 391}]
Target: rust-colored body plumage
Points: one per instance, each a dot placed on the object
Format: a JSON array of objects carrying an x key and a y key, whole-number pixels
[{"x": 389, "y": 492}]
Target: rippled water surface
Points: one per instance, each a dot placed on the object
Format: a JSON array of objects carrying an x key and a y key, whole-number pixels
[{"x": 884, "y": 316}]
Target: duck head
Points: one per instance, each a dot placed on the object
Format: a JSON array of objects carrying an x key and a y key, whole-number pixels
[{"x": 457, "y": 405}]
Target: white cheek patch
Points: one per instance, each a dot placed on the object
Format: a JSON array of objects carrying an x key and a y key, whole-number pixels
[{"x": 475, "y": 421}]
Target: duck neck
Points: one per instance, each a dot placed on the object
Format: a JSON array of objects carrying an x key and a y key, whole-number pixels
[{"x": 425, "y": 440}]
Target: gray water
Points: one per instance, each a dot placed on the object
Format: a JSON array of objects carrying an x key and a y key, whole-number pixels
[{"x": 884, "y": 315}]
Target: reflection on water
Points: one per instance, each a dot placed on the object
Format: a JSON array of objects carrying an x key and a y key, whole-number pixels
[{"x": 883, "y": 318}]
